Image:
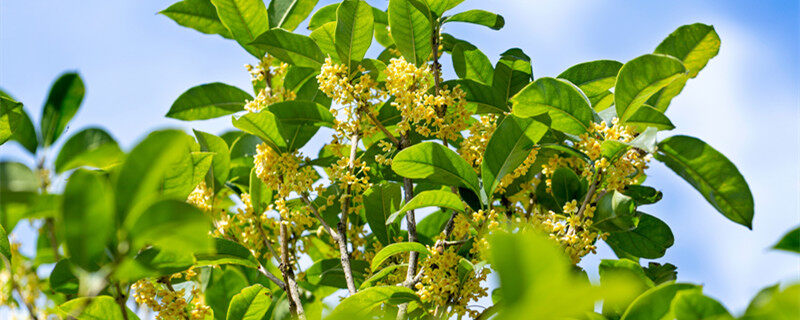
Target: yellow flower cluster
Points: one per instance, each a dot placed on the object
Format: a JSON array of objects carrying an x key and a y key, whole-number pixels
[
  {"x": 474, "y": 145},
  {"x": 617, "y": 173},
  {"x": 571, "y": 230},
  {"x": 356, "y": 179},
  {"x": 201, "y": 197},
  {"x": 170, "y": 305},
  {"x": 268, "y": 96},
  {"x": 21, "y": 274},
  {"x": 518, "y": 171},
  {"x": 282, "y": 172},
  {"x": 441, "y": 285},
  {"x": 272, "y": 90}
]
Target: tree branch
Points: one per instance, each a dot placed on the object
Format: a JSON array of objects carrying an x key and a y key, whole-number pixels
[
  {"x": 342, "y": 230},
  {"x": 295, "y": 306}
]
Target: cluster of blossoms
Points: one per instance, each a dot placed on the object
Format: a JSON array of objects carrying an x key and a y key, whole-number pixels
[
  {"x": 356, "y": 91},
  {"x": 473, "y": 146},
  {"x": 284, "y": 173},
  {"x": 271, "y": 74},
  {"x": 442, "y": 114},
  {"x": 617, "y": 173},
  {"x": 441, "y": 284},
  {"x": 201, "y": 197},
  {"x": 169, "y": 303},
  {"x": 572, "y": 230},
  {"x": 21, "y": 276}
]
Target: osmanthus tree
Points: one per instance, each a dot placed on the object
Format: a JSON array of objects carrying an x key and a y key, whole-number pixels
[{"x": 422, "y": 188}]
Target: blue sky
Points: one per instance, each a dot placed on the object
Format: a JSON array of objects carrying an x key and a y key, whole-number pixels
[{"x": 745, "y": 103}]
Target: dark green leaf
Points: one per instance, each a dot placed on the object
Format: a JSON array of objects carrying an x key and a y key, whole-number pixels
[
  {"x": 648, "y": 116},
  {"x": 511, "y": 73},
  {"x": 62, "y": 103},
  {"x": 615, "y": 212},
  {"x": 263, "y": 125},
  {"x": 91, "y": 147},
  {"x": 661, "y": 273},
  {"x": 380, "y": 202},
  {"x": 251, "y": 303},
  {"x": 221, "y": 158},
  {"x": 642, "y": 194},
  {"x": 25, "y": 133},
  {"x": 292, "y": 48},
  {"x": 481, "y": 17},
  {"x": 649, "y": 240},
  {"x": 88, "y": 205},
  {"x": 435, "y": 163},
  {"x": 790, "y": 241},
  {"x": 566, "y": 186},
  {"x": 223, "y": 285},
  {"x": 411, "y": 31},
  {"x": 245, "y": 19},
  {"x": 354, "y": 28},
  {"x": 227, "y": 252},
  {"x": 208, "y": 101},
  {"x": 197, "y": 14},
  {"x": 642, "y": 77},
  {"x": 482, "y": 97},
  {"x": 508, "y": 147},
  {"x": 567, "y": 107},
  {"x": 329, "y": 272},
  {"x": 470, "y": 63},
  {"x": 61, "y": 278}
]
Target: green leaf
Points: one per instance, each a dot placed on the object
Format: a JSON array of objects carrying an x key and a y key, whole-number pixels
[
  {"x": 10, "y": 118},
  {"x": 197, "y": 14},
  {"x": 329, "y": 272},
  {"x": 602, "y": 102},
  {"x": 208, "y": 101},
  {"x": 226, "y": 252},
  {"x": 661, "y": 273},
  {"x": 25, "y": 133},
  {"x": 411, "y": 31},
  {"x": 354, "y": 28},
  {"x": 302, "y": 113},
  {"x": 641, "y": 78},
  {"x": 508, "y": 147},
  {"x": 263, "y": 125},
  {"x": 362, "y": 304},
  {"x": 325, "y": 36},
  {"x": 172, "y": 225},
  {"x": 712, "y": 174},
  {"x": 615, "y": 212},
  {"x": 245, "y": 19},
  {"x": 619, "y": 272},
  {"x": 567, "y": 107},
  {"x": 643, "y": 194},
  {"x": 566, "y": 186},
  {"x": 380, "y": 201},
  {"x": 773, "y": 303},
  {"x": 470, "y": 63},
  {"x": 395, "y": 248},
  {"x": 655, "y": 303},
  {"x": 649, "y": 240},
  {"x": 482, "y": 97},
  {"x": 186, "y": 171},
  {"x": 646, "y": 140},
  {"x": 94, "y": 308},
  {"x": 61, "y": 278},
  {"x": 62, "y": 103},
  {"x": 647, "y": 116},
  {"x": 88, "y": 205},
  {"x": 221, "y": 158},
  {"x": 511, "y": 73},
  {"x": 693, "y": 304},
  {"x": 790, "y": 241},
  {"x": 152, "y": 263},
  {"x": 5, "y": 246},
  {"x": 323, "y": 16},
  {"x": 431, "y": 225},
  {"x": 371, "y": 281},
  {"x": 288, "y": 14},
  {"x": 430, "y": 198},
  {"x": 92, "y": 147},
  {"x": 18, "y": 192},
  {"x": 593, "y": 77},
  {"x": 222, "y": 286},
  {"x": 292, "y": 48},
  {"x": 435, "y": 163},
  {"x": 260, "y": 195},
  {"x": 481, "y": 17},
  {"x": 251, "y": 303},
  {"x": 439, "y": 7}
]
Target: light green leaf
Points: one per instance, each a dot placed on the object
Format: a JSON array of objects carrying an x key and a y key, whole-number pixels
[
  {"x": 329, "y": 272},
  {"x": 476, "y": 16},
  {"x": 693, "y": 304},
  {"x": 435, "y": 163},
  {"x": 622, "y": 271},
  {"x": 395, "y": 248},
  {"x": 430, "y": 198},
  {"x": 508, "y": 147},
  {"x": 302, "y": 113},
  {"x": 94, "y": 308},
  {"x": 323, "y": 16},
  {"x": 377, "y": 276},
  {"x": 647, "y": 116},
  {"x": 712, "y": 174},
  {"x": 5, "y": 246},
  {"x": 354, "y": 28},
  {"x": 655, "y": 302},
  {"x": 221, "y": 158},
  {"x": 10, "y": 118},
  {"x": 593, "y": 77},
  {"x": 470, "y": 63},
  {"x": 602, "y": 102},
  {"x": 222, "y": 286},
  {"x": 567, "y": 107},
  {"x": 260, "y": 195},
  {"x": 62, "y": 103},
  {"x": 226, "y": 252},
  {"x": 649, "y": 240},
  {"x": 200, "y": 15},
  {"x": 439, "y": 7},
  {"x": 411, "y": 31},
  {"x": 790, "y": 241},
  {"x": 245, "y": 19},
  {"x": 773, "y": 303},
  {"x": 380, "y": 201},
  {"x": 251, "y": 303},
  {"x": 292, "y": 48},
  {"x": 88, "y": 205},
  {"x": 324, "y": 36},
  {"x": 511, "y": 73},
  {"x": 208, "y": 101},
  {"x": 263, "y": 125},
  {"x": 288, "y": 14},
  {"x": 91, "y": 147},
  {"x": 171, "y": 225},
  {"x": 362, "y": 304},
  {"x": 642, "y": 77}
]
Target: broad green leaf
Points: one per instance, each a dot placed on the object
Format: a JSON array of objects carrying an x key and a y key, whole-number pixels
[
  {"x": 712, "y": 174},
  {"x": 185, "y": 172},
  {"x": 260, "y": 195},
  {"x": 661, "y": 273},
  {"x": 647, "y": 116},
  {"x": 251, "y": 303},
  {"x": 476, "y": 16},
  {"x": 567, "y": 107},
  {"x": 470, "y": 63},
  {"x": 435, "y": 163},
  {"x": 61, "y": 278},
  {"x": 302, "y": 113},
  {"x": 594, "y": 77},
  {"x": 245, "y": 19},
  {"x": 655, "y": 303},
  {"x": 171, "y": 225},
  {"x": 288, "y": 14},
  {"x": 208, "y": 101},
  {"x": 221, "y": 159},
  {"x": 603, "y": 102},
  {"x": 790, "y": 241},
  {"x": 641, "y": 78},
  {"x": 622, "y": 271},
  {"x": 292, "y": 48},
  {"x": 263, "y": 125},
  {"x": 429, "y": 198},
  {"x": 329, "y": 272},
  {"x": 222, "y": 286},
  {"x": 226, "y": 252},
  {"x": 508, "y": 147},
  {"x": 772, "y": 303},
  {"x": 62, "y": 103},
  {"x": 10, "y": 118},
  {"x": 649, "y": 240},
  {"x": 566, "y": 186},
  {"x": 411, "y": 31},
  {"x": 142, "y": 173},
  {"x": 25, "y": 133},
  {"x": 615, "y": 212},
  {"x": 152, "y": 263},
  {"x": 325, "y": 36},
  {"x": 5, "y": 246},
  {"x": 432, "y": 225},
  {"x": 380, "y": 201},
  {"x": 693, "y": 304},
  {"x": 354, "y": 28},
  {"x": 646, "y": 140},
  {"x": 18, "y": 191},
  {"x": 362, "y": 304},
  {"x": 511, "y": 73},
  {"x": 439, "y": 7},
  {"x": 395, "y": 248},
  {"x": 88, "y": 205},
  {"x": 200, "y": 15},
  {"x": 479, "y": 96},
  {"x": 92, "y": 147},
  {"x": 94, "y": 308},
  {"x": 323, "y": 16},
  {"x": 377, "y": 276}
]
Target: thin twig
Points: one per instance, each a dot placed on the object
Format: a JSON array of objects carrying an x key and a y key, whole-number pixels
[
  {"x": 382, "y": 128},
  {"x": 314, "y": 210},
  {"x": 295, "y": 306},
  {"x": 121, "y": 299},
  {"x": 342, "y": 239}
]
